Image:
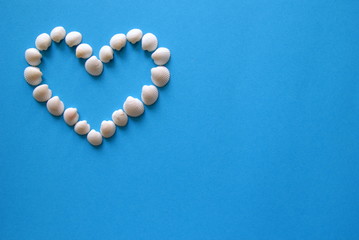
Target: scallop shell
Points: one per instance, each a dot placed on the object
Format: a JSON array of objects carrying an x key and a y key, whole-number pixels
[
  {"x": 118, "y": 41},
  {"x": 43, "y": 41},
  {"x": 149, "y": 42},
  {"x": 33, "y": 56},
  {"x": 119, "y": 117},
  {"x": 42, "y": 93},
  {"x": 82, "y": 127},
  {"x": 84, "y": 51},
  {"x": 58, "y": 33},
  {"x": 106, "y": 54},
  {"x": 94, "y": 66},
  {"x": 94, "y": 138},
  {"x": 33, "y": 75},
  {"x": 161, "y": 56},
  {"x": 133, "y": 107},
  {"x": 73, "y": 38},
  {"x": 134, "y": 35},
  {"x": 55, "y": 106},
  {"x": 160, "y": 76},
  {"x": 108, "y": 129},
  {"x": 149, "y": 94},
  {"x": 71, "y": 116}
]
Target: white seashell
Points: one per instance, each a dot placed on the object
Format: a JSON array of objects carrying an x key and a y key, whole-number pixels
[
  {"x": 94, "y": 66},
  {"x": 160, "y": 76},
  {"x": 73, "y": 38},
  {"x": 118, "y": 41},
  {"x": 94, "y": 138},
  {"x": 83, "y": 50},
  {"x": 33, "y": 75},
  {"x": 106, "y": 54},
  {"x": 42, "y": 93},
  {"x": 161, "y": 56},
  {"x": 43, "y": 41},
  {"x": 55, "y": 106},
  {"x": 134, "y": 35},
  {"x": 133, "y": 107},
  {"x": 33, "y": 56},
  {"x": 71, "y": 116},
  {"x": 149, "y": 94},
  {"x": 149, "y": 42},
  {"x": 82, "y": 127},
  {"x": 119, "y": 117},
  {"x": 58, "y": 33},
  {"x": 108, "y": 129}
]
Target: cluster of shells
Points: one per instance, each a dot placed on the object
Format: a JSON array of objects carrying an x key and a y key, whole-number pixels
[{"x": 132, "y": 107}]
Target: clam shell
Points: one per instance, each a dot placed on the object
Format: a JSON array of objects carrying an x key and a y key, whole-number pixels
[
  {"x": 119, "y": 117},
  {"x": 149, "y": 94},
  {"x": 161, "y": 56},
  {"x": 71, "y": 116},
  {"x": 133, "y": 107},
  {"x": 84, "y": 51},
  {"x": 160, "y": 76},
  {"x": 94, "y": 66},
  {"x": 33, "y": 75},
  {"x": 73, "y": 38},
  {"x": 106, "y": 54},
  {"x": 149, "y": 42},
  {"x": 42, "y": 93},
  {"x": 33, "y": 56},
  {"x": 55, "y": 106},
  {"x": 82, "y": 127},
  {"x": 58, "y": 33},
  {"x": 94, "y": 138},
  {"x": 134, "y": 35},
  {"x": 43, "y": 41},
  {"x": 108, "y": 129},
  {"x": 118, "y": 41}
]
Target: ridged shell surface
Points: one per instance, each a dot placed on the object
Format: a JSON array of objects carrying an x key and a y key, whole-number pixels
[
  {"x": 94, "y": 138},
  {"x": 119, "y": 117},
  {"x": 133, "y": 107},
  {"x": 43, "y": 41},
  {"x": 71, "y": 116},
  {"x": 108, "y": 129},
  {"x": 118, "y": 41},
  {"x": 160, "y": 76},
  {"x": 94, "y": 66},
  {"x": 106, "y": 54},
  {"x": 149, "y": 94},
  {"x": 33, "y": 75},
  {"x": 42, "y": 93},
  {"x": 161, "y": 56},
  {"x": 55, "y": 106},
  {"x": 84, "y": 51},
  {"x": 149, "y": 42},
  {"x": 134, "y": 35},
  {"x": 73, "y": 38},
  {"x": 58, "y": 33},
  {"x": 82, "y": 127},
  {"x": 33, "y": 56}
]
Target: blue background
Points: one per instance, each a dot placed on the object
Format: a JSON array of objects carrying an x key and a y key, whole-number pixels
[{"x": 255, "y": 137}]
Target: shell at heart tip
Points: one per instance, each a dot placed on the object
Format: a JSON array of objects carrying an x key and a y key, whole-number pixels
[{"x": 94, "y": 66}]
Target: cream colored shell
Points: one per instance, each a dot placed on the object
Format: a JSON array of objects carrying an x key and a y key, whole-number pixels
[
  {"x": 161, "y": 56},
  {"x": 82, "y": 127},
  {"x": 33, "y": 75},
  {"x": 55, "y": 106},
  {"x": 133, "y": 107},
  {"x": 160, "y": 76},
  {"x": 58, "y": 33},
  {"x": 94, "y": 66},
  {"x": 94, "y": 138},
  {"x": 149, "y": 42},
  {"x": 149, "y": 94},
  {"x": 134, "y": 35},
  {"x": 119, "y": 117},
  {"x": 43, "y": 42},
  {"x": 42, "y": 93},
  {"x": 118, "y": 41},
  {"x": 73, "y": 38},
  {"x": 33, "y": 56},
  {"x": 71, "y": 116},
  {"x": 108, "y": 129},
  {"x": 84, "y": 51},
  {"x": 106, "y": 54}
]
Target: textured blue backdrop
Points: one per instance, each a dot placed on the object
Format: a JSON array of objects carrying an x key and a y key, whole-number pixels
[{"x": 255, "y": 137}]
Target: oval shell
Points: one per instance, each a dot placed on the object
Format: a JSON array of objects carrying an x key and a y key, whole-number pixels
[
  {"x": 55, "y": 106},
  {"x": 94, "y": 66},
  {"x": 33, "y": 56},
  {"x": 119, "y": 117},
  {"x": 134, "y": 35},
  {"x": 118, "y": 41},
  {"x": 161, "y": 56},
  {"x": 149, "y": 42},
  {"x": 106, "y": 54},
  {"x": 71, "y": 116},
  {"x": 149, "y": 94},
  {"x": 84, "y": 51},
  {"x": 160, "y": 76},
  {"x": 94, "y": 138},
  {"x": 133, "y": 107},
  {"x": 42, "y": 93},
  {"x": 108, "y": 129},
  {"x": 33, "y": 75},
  {"x": 58, "y": 33},
  {"x": 82, "y": 127},
  {"x": 73, "y": 38},
  {"x": 43, "y": 41}
]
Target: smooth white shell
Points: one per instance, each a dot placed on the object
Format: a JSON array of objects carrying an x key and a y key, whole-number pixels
[
  {"x": 118, "y": 41},
  {"x": 73, "y": 38},
  {"x": 55, "y": 106},
  {"x": 134, "y": 35},
  {"x": 43, "y": 41},
  {"x": 161, "y": 56},
  {"x": 149, "y": 94},
  {"x": 71, "y": 116},
  {"x": 108, "y": 129},
  {"x": 83, "y": 50},
  {"x": 33, "y": 75},
  {"x": 58, "y": 33},
  {"x": 33, "y": 56},
  {"x": 42, "y": 93},
  {"x": 106, "y": 54},
  {"x": 160, "y": 76},
  {"x": 119, "y": 117},
  {"x": 94, "y": 138},
  {"x": 82, "y": 127},
  {"x": 94, "y": 66},
  {"x": 149, "y": 42},
  {"x": 133, "y": 107}
]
